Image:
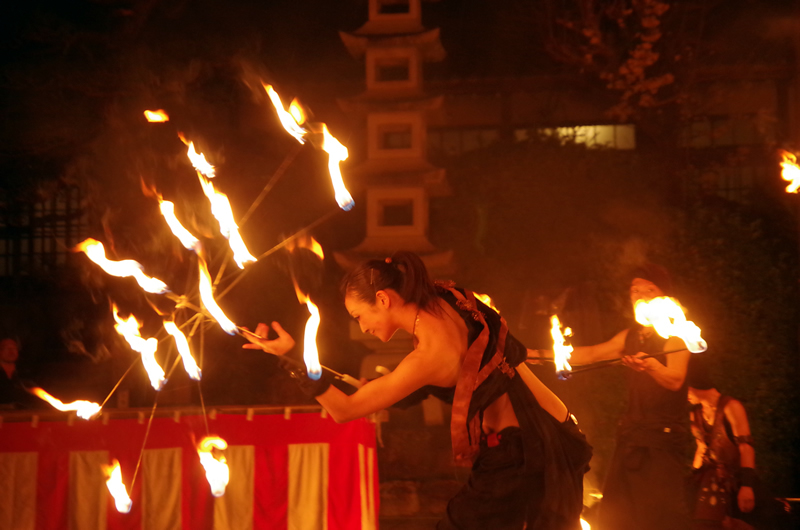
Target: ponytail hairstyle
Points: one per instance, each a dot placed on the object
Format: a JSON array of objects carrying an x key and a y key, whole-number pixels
[{"x": 404, "y": 272}]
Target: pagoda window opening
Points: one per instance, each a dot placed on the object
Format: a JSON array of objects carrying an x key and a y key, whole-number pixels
[
  {"x": 396, "y": 212},
  {"x": 396, "y": 137},
  {"x": 392, "y": 70},
  {"x": 394, "y": 7}
]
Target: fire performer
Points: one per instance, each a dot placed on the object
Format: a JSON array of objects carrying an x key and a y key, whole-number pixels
[
  {"x": 645, "y": 484},
  {"x": 528, "y": 455}
]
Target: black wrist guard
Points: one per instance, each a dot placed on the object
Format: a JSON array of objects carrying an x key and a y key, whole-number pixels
[
  {"x": 747, "y": 477},
  {"x": 309, "y": 386}
]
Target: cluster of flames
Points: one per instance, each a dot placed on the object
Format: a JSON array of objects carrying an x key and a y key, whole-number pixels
[{"x": 210, "y": 449}]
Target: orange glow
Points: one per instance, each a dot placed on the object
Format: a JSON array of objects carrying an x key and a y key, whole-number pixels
[
  {"x": 487, "y": 300},
  {"x": 207, "y": 295},
  {"x": 666, "y": 316},
  {"x": 185, "y": 352},
  {"x": 561, "y": 351},
  {"x": 585, "y": 525},
  {"x": 336, "y": 154},
  {"x": 129, "y": 329},
  {"x": 790, "y": 171},
  {"x": 288, "y": 120},
  {"x": 187, "y": 239},
  {"x": 122, "y": 269},
  {"x": 117, "y": 489},
  {"x": 156, "y": 116},
  {"x": 217, "y": 472},
  {"x": 84, "y": 409}
]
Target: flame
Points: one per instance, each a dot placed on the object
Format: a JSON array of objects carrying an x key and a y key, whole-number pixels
[
  {"x": 336, "y": 153},
  {"x": 147, "y": 348},
  {"x": 207, "y": 295},
  {"x": 561, "y": 351},
  {"x": 199, "y": 160},
  {"x": 122, "y": 269},
  {"x": 297, "y": 112},
  {"x": 289, "y": 121},
  {"x": 585, "y": 525},
  {"x": 310, "y": 351},
  {"x": 156, "y": 116},
  {"x": 487, "y": 300},
  {"x": 307, "y": 242},
  {"x": 182, "y": 344},
  {"x": 221, "y": 209},
  {"x": 84, "y": 409},
  {"x": 117, "y": 489},
  {"x": 217, "y": 472},
  {"x": 790, "y": 172},
  {"x": 666, "y": 316},
  {"x": 187, "y": 239}
]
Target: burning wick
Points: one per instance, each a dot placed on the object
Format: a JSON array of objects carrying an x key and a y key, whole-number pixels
[
  {"x": 217, "y": 472},
  {"x": 790, "y": 172},
  {"x": 182, "y": 344},
  {"x": 207, "y": 296},
  {"x": 310, "y": 351},
  {"x": 288, "y": 120},
  {"x": 117, "y": 489},
  {"x": 337, "y": 153},
  {"x": 129, "y": 329},
  {"x": 84, "y": 409},
  {"x": 561, "y": 351},
  {"x": 666, "y": 316},
  {"x": 186, "y": 238},
  {"x": 156, "y": 116},
  {"x": 122, "y": 269},
  {"x": 220, "y": 207}
]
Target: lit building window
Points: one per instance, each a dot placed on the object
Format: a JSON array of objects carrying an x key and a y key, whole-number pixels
[{"x": 592, "y": 136}]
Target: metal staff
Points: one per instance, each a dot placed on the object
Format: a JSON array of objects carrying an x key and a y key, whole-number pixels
[{"x": 602, "y": 364}]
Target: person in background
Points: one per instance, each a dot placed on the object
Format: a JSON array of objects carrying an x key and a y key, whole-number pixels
[
  {"x": 726, "y": 490},
  {"x": 645, "y": 487},
  {"x": 12, "y": 387}
]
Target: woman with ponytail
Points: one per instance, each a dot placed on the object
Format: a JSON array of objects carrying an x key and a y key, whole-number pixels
[{"x": 527, "y": 455}]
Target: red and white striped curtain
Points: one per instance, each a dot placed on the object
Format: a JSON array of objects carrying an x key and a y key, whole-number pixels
[{"x": 304, "y": 472}]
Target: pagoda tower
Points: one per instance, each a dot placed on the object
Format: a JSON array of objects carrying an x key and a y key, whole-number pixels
[{"x": 398, "y": 178}]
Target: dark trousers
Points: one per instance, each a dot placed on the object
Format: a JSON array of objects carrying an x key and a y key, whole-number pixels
[
  {"x": 500, "y": 493},
  {"x": 645, "y": 489}
]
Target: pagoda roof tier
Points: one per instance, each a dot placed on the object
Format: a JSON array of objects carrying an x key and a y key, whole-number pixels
[
  {"x": 427, "y": 41},
  {"x": 390, "y": 101},
  {"x": 402, "y": 172}
]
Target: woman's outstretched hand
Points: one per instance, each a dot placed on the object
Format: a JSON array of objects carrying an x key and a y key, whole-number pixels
[{"x": 258, "y": 339}]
